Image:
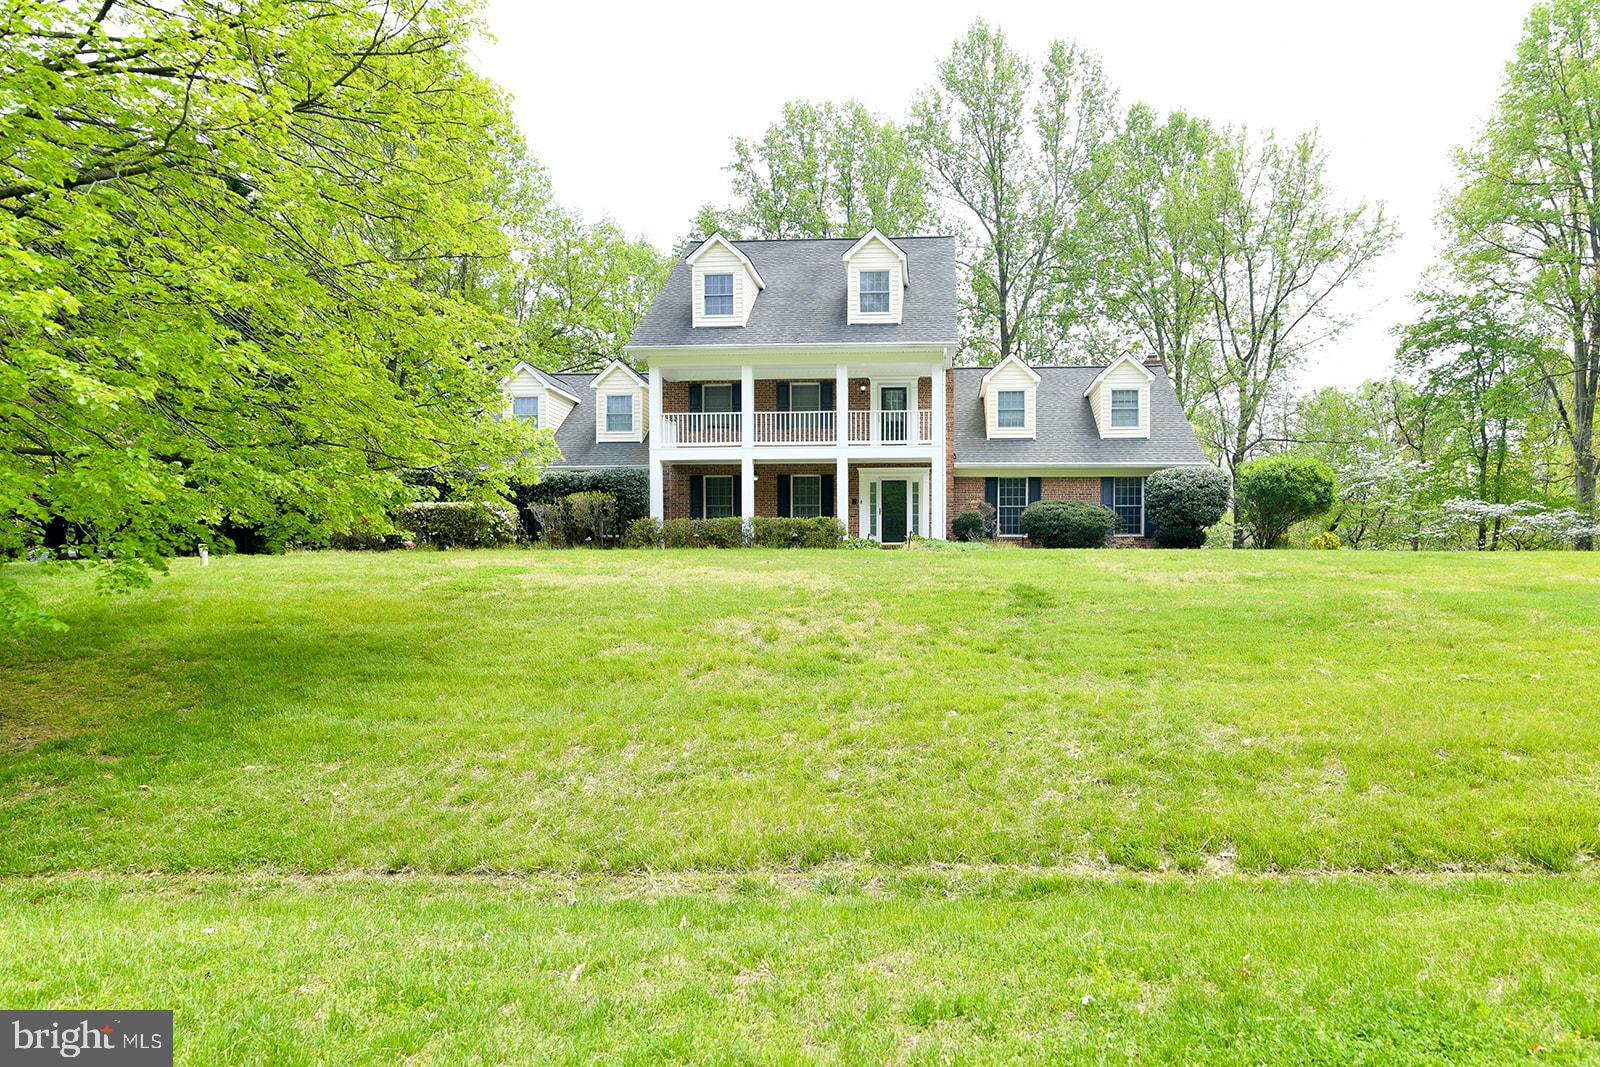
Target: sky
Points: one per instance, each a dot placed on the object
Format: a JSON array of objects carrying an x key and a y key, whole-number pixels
[{"x": 633, "y": 108}]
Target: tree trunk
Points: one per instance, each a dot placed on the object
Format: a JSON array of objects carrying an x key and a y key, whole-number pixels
[{"x": 1234, "y": 462}]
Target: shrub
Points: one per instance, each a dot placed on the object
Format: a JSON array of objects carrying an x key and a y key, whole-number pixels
[
  {"x": 1278, "y": 491},
  {"x": 769, "y": 532},
  {"x": 860, "y": 543},
  {"x": 364, "y": 537},
  {"x": 460, "y": 524},
  {"x": 703, "y": 533},
  {"x": 970, "y": 526},
  {"x": 642, "y": 533},
  {"x": 578, "y": 519},
  {"x": 629, "y": 485},
  {"x": 1068, "y": 524},
  {"x": 1326, "y": 541},
  {"x": 1181, "y": 502}
]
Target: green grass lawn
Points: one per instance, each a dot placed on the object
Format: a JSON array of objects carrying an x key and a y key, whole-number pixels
[{"x": 815, "y": 805}]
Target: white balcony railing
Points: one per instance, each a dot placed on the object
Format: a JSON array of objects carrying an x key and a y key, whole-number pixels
[{"x": 797, "y": 427}]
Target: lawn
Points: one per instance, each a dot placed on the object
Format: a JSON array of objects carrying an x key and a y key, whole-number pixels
[{"x": 815, "y": 805}]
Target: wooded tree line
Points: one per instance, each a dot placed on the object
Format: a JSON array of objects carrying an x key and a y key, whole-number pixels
[{"x": 1089, "y": 228}]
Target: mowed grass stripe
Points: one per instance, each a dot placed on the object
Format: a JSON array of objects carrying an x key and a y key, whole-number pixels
[{"x": 527, "y": 711}]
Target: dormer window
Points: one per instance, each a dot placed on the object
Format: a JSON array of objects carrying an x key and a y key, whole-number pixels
[
  {"x": 1125, "y": 408},
  {"x": 525, "y": 407},
  {"x": 719, "y": 294},
  {"x": 874, "y": 292},
  {"x": 1012, "y": 413}
]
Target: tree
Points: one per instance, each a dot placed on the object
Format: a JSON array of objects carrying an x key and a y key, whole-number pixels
[
  {"x": 1015, "y": 156},
  {"x": 1529, "y": 206},
  {"x": 823, "y": 170},
  {"x": 228, "y": 233},
  {"x": 1273, "y": 494},
  {"x": 1275, "y": 251}
]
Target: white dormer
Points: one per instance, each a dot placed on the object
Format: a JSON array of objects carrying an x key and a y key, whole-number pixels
[
  {"x": 876, "y": 275},
  {"x": 1010, "y": 395},
  {"x": 621, "y": 404},
  {"x": 724, "y": 284},
  {"x": 1119, "y": 396},
  {"x": 530, "y": 393}
]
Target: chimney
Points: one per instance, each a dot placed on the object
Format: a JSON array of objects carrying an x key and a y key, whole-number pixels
[{"x": 1153, "y": 360}]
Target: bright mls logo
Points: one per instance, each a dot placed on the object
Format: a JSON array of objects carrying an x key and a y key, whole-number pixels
[{"x": 126, "y": 1038}]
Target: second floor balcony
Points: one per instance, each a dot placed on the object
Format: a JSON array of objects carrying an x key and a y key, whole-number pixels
[{"x": 725, "y": 428}]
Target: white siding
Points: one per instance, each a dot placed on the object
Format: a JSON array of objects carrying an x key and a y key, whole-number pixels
[
  {"x": 618, "y": 383},
  {"x": 1010, "y": 378},
  {"x": 553, "y": 407},
  {"x": 875, "y": 255},
  {"x": 718, "y": 260},
  {"x": 1123, "y": 376}
]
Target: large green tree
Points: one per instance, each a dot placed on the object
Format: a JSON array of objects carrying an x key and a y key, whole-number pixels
[
  {"x": 229, "y": 231},
  {"x": 823, "y": 170},
  {"x": 1014, "y": 151},
  {"x": 1529, "y": 206}
]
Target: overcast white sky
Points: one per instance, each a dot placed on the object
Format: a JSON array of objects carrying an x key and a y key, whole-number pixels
[{"x": 615, "y": 100}]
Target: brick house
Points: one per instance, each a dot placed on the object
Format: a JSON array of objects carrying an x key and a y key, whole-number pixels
[{"x": 816, "y": 377}]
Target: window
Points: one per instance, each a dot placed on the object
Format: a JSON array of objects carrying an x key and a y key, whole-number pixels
[
  {"x": 1011, "y": 411},
  {"x": 872, "y": 509},
  {"x": 805, "y": 496},
  {"x": 805, "y": 396},
  {"x": 1127, "y": 500},
  {"x": 719, "y": 496},
  {"x": 619, "y": 414},
  {"x": 525, "y": 407},
  {"x": 716, "y": 397},
  {"x": 1011, "y": 497},
  {"x": 719, "y": 294},
  {"x": 874, "y": 292},
  {"x": 916, "y": 508},
  {"x": 1125, "y": 408}
]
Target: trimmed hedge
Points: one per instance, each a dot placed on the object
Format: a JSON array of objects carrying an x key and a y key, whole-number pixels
[
  {"x": 970, "y": 526},
  {"x": 764, "y": 532},
  {"x": 1181, "y": 503},
  {"x": 769, "y": 532},
  {"x": 1068, "y": 524},
  {"x": 460, "y": 524},
  {"x": 629, "y": 485}
]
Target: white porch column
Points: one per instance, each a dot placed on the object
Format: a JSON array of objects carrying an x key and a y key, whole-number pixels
[
  {"x": 747, "y": 485},
  {"x": 841, "y": 439},
  {"x": 747, "y": 406},
  {"x": 658, "y": 507},
  {"x": 941, "y": 452}
]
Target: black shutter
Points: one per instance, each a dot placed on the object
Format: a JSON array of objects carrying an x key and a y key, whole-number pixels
[
  {"x": 827, "y": 495},
  {"x": 1108, "y": 495},
  {"x": 738, "y": 403},
  {"x": 991, "y": 491},
  {"x": 783, "y": 396},
  {"x": 827, "y": 396},
  {"x": 697, "y": 496},
  {"x": 738, "y": 493},
  {"x": 1035, "y": 489},
  {"x": 783, "y": 496},
  {"x": 694, "y": 396}
]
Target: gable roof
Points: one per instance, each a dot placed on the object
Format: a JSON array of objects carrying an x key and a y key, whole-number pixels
[
  {"x": 1113, "y": 365},
  {"x": 804, "y": 302},
  {"x": 1066, "y": 431},
  {"x": 613, "y": 367},
  {"x": 718, "y": 239},
  {"x": 548, "y": 380},
  {"x": 575, "y": 436},
  {"x": 876, "y": 234},
  {"x": 1009, "y": 361}
]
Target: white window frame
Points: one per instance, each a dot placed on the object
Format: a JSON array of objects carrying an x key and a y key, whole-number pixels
[
  {"x": 794, "y": 497},
  {"x": 1000, "y": 507},
  {"x": 1001, "y": 411},
  {"x": 1118, "y": 485},
  {"x": 626, "y": 398},
  {"x": 705, "y": 495},
  {"x": 862, "y": 292},
  {"x": 707, "y": 296},
  {"x": 538, "y": 404},
  {"x": 805, "y": 385},
  {"x": 727, "y": 386},
  {"x": 1138, "y": 413}
]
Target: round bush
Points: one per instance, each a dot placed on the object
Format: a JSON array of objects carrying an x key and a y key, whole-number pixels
[
  {"x": 1279, "y": 491},
  {"x": 1181, "y": 502},
  {"x": 970, "y": 526},
  {"x": 1068, "y": 524},
  {"x": 1327, "y": 541}
]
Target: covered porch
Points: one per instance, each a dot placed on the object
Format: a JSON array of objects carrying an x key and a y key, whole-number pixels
[{"x": 884, "y": 502}]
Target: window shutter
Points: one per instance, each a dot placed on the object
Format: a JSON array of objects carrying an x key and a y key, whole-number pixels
[
  {"x": 694, "y": 396},
  {"x": 697, "y": 496},
  {"x": 783, "y": 496},
  {"x": 738, "y": 402},
  {"x": 827, "y": 396},
  {"x": 1108, "y": 491},
  {"x": 1035, "y": 489},
  {"x": 827, "y": 496},
  {"x": 738, "y": 487},
  {"x": 783, "y": 396},
  {"x": 991, "y": 492}
]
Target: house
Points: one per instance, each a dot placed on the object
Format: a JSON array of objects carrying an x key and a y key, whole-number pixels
[{"x": 816, "y": 377}]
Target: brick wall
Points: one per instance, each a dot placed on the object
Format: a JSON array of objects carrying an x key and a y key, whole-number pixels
[
  {"x": 767, "y": 482},
  {"x": 675, "y": 484},
  {"x": 964, "y": 491}
]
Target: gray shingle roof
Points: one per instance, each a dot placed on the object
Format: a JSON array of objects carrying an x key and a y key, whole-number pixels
[
  {"x": 575, "y": 437},
  {"x": 1066, "y": 428},
  {"x": 804, "y": 301}
]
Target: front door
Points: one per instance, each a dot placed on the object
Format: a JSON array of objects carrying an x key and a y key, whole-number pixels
[
  {"x": 892, "y": 414},
  {"x": 893, "y": 495}
]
